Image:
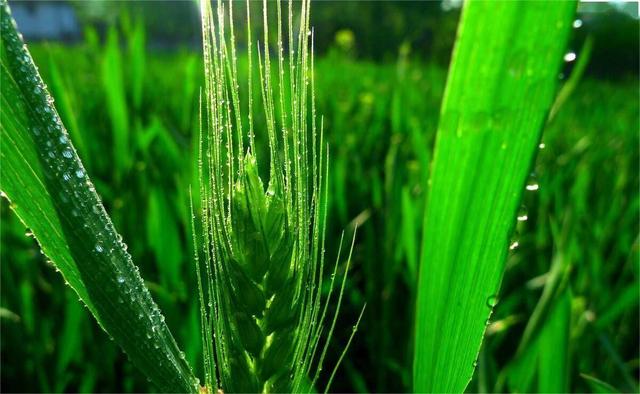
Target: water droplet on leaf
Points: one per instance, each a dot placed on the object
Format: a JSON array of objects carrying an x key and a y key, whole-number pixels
[
  {"x": 569, "y": 57},
  {"x": 532, "y": 183},
  {"x": 522, "y": 214},
  {"x": 492, "y": 301}
]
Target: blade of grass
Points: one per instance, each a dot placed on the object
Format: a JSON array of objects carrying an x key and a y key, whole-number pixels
[
  {"x": 553, "y": 348},
  {"x": 555, "y": 286},
  {"x": 543, "y": 366},
  {"x": 136, "y": 38},
  {"x": 73, "y": 319},
  {"x": 501, "y": 85},
  {"x": 576, "y": 75},
  {"x": 51, "y": 193},
  {"x": 65, "y": 107},
  {"x": 597, "y": 385},
  {"x": 625, "y": 301},
  {"x": 114, "y": 88},
  {"x": 163, "y": 237}
]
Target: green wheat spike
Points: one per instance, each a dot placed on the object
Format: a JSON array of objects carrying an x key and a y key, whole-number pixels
[{"x": 263, "y": 244}]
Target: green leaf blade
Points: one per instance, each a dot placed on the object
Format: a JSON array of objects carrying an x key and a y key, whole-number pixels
[
  {"x": 554, "y": 363},
  {"x": 51, "y": 193},
  {"x": 501, "y": 84}
]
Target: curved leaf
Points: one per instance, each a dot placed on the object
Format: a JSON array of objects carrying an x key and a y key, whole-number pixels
[{"x": 51, "y": 192}]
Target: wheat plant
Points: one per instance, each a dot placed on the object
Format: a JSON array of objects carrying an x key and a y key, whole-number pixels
[{"x": 263, "y": 243}]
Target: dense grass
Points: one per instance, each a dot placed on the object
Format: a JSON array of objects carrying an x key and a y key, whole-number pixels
[{"x": 379, "y": 118}]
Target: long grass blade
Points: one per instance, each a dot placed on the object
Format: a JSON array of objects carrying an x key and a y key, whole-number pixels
[
  {"x": 51, "y": 193},
  {"x": 501, "y": 85}
]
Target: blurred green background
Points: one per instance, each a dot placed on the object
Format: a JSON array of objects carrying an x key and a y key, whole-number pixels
[{"x": 126, "y": 78}]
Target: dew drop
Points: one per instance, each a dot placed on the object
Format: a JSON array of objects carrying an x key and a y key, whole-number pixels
[
  {"x": 492, "y": 301},
  {"x": 67, "y": 153},
  {"x": 99, "y": 248},
  {"x": 532, "y": 187},
  {"x": 514, "y": 245},
  {"x": 80, "y": 173},
  {"x": 569, "y": 57},
  {"x": 577, "y": 23},
  {"x": 542, "y": 145},
  {"x": 522, "y": 214},
  {"x": 120, "y": 279},
  {"x": 532, "y": 183}
]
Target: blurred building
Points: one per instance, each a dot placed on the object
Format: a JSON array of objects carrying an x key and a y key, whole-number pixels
[{"x": 46, "y": 20}]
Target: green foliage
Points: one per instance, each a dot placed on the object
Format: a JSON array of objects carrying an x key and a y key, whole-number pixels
[
  {"x": 499, "y": 90},
  {"x": 52, "y": 194},
  {"x": 598, "y": 386},
  {"x": 263, "y": 249},
  {"x": 558, "y": 248},
  {"x": 543, "y": 351},
  {"x": 379, "y": 120}
]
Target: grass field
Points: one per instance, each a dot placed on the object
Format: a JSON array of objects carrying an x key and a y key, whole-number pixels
[{"x": 567, "y": 312}]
